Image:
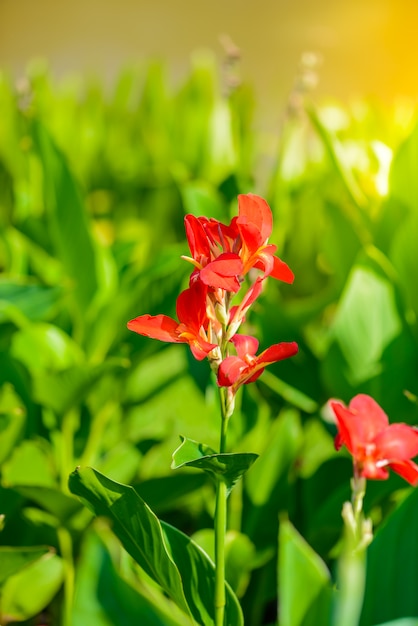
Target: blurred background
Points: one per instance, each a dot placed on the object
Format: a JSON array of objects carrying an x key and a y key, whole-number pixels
[
  {"x": 366, "y": 47},
  {"x": 116, "y": 120}
]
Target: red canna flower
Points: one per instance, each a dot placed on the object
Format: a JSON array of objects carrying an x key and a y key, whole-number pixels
[
  {"x": 246, "y": 367},
  {"x": 192, "y": 325},
  {"x": 254, "y": 224},
  {"x": 374, "y": 444},
  {"x": 224, "y": 254}
]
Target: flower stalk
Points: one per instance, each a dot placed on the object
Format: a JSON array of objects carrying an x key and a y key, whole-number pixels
[{"x": 226, "y": 259}]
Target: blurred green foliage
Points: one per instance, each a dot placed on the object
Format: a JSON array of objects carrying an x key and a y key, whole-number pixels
[{"x": 94, "y": 186}]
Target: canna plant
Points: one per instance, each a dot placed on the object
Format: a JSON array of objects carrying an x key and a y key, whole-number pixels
[{"x": 229, "y": 261}]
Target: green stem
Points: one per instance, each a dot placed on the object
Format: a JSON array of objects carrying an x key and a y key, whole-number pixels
[
  {"x": 66, "y": 547},
  {"x": 220, "y": 530},
  {"x": 220, "y": 522}
]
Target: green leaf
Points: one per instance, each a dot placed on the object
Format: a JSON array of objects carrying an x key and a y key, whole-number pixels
[
  {"x": 229, "y": 467},
  {"x": 33, "y": 301},
  {"x": 392, "y": 565},
  {"x": 64, "y": 389},
  {"x": 31, "y": 464},
  {"x": 67, "y": 217},
  {"x": 304, "y": 581},
  {"x": 45, "y": 347},
  {"x": 168, "y": 556},
  {"x": 366, "y": 322},
  {"x": 104, "y": 598},
  {"x": 28, "y": 592},
  {"x": 13, "y": 559}
]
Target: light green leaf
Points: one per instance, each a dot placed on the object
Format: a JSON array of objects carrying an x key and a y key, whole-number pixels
[
  {"x": 13, "y": 559},
  {"x": 304, "y": 581},
  {"x": 30, "y": 591},
  {"x": 45, "y": 347},
  {"x": 229, "y": 467},
  {"x": 168, "y": 556},
  {"x": 31, "y": 464},
  {"x": 366, "y": 322}
]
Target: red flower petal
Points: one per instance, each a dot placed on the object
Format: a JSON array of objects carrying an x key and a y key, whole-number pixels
[
  {"x": 230, "y": 371},
  {"x": 196, "y": 237},
  {"x": 407, "y": 470},
  {"x": 278, "y": 352},
  {"x": 245, "y": 345},
  {"x": 159, "y": 327},
  {"x": 350, "y": 427},
  {"x": 398, "y": 442},
  {"x": 373, "y": 415},
  {"x": 282, "y": 271},
  {"x": 255, "y": 221},
  {"x": 223, "y": 272},
  {"x": 191, "y": 306}
]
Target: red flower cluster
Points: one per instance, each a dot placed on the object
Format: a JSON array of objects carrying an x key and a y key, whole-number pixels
[
  {"x": 222, "y": 257},
  {"x": 374, "y": 444}
]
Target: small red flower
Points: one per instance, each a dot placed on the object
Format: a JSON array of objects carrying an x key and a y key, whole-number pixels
[
  {"x": 192, "y": 325},
  {"x": 246, "y": 367},
  {"x": 374, "y": 444}
]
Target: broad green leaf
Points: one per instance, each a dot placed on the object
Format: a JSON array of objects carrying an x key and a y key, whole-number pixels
[
  {"x": 168, "y": 556},
  {"x": 35, "y": 302},
  {"x": 28, "y": 592},
  {"x": 13, "y": 559},
  {"x": 68, "y": 224},
  {"x": 366, "y": 322},
  {"x": 392, "y": 566},
  {"x": 45, "y": 347},
  {"x": 104, "y": 598},
  {"x": 304, "y": 581},
  {"x": 229, "y": 467}
]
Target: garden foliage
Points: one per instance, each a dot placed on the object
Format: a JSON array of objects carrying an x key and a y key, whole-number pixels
[{"x": 94, "y": 187}]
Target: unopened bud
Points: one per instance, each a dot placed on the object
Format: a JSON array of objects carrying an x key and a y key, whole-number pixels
[{"x": 221, "y": 314}]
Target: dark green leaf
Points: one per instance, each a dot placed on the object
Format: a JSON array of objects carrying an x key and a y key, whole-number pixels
[
  {"x": 392, "y": 566},
  {"x": 69, "y": 229},
  {"x": 104, "y": 598},
  {"x": 228, "y": 467},
  {"x": 168, "y": 556}
]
